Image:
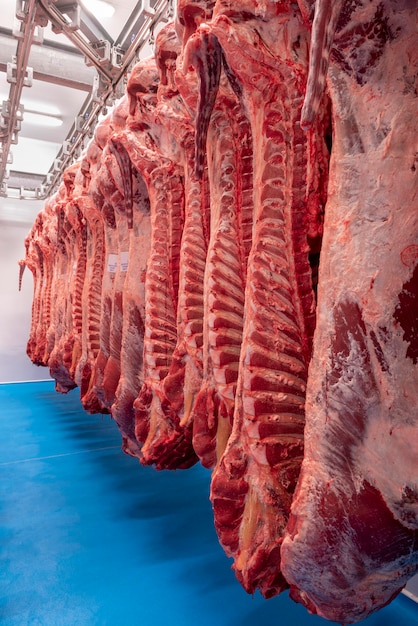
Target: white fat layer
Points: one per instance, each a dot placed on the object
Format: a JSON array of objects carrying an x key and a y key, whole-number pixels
[{"x": 371, "y": 219}]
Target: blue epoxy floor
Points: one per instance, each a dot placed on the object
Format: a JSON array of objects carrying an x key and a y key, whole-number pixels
[{"x": 89, "y": 537}]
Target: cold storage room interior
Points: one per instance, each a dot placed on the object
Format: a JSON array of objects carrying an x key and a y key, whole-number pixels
[{"x": 181, "y": 242}]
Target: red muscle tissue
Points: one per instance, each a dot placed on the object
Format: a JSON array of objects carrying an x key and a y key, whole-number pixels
[{"x": 239, "y": 249}]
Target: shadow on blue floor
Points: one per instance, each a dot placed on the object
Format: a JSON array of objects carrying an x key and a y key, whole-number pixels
[{"x": 89, "y": 537}]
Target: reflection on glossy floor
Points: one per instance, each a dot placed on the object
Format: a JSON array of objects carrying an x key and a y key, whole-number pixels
[{"x": 89, "y": 537}]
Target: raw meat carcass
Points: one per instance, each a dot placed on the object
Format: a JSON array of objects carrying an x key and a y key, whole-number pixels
[
  {"x": 132, "y": 346},
  {"x": 150, "y": 149},
  {"x": 60, "y": 359},
  {"x": 265, "y": 57},
  {"x": 184, "y": 378},
  {"x": 134, "y": 216},
  {"x": 107, "y": 194},
  {"x": 74, "y": 182},
  {"x": 51, "y": 235},
  {"x": 34, "y": 261},
  {"x": 223, "y": 133},
  {"x": 133, "y": 303},
  {"x": 95, "y": 258},
  {"x": 63, "y": 359},
  {"x": 351, "y": 542},
  {"x": 102, "y": 189},
  {"x": 46, "y": 245},
  {"x": 111, "y": 185},
  {"x": 30, "y": 261}
]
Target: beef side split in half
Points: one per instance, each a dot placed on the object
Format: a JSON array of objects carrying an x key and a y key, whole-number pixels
[
  {"x": 224, "y": 139},
  {"x": 92, "y": 290},
  {"x": 118, "y": 240},
  {"x": 150, "y": 148},
  {"x": 184, "y": 378},
  {"x": 46, "y": 246},
  {"x": 34, "y": 261},
  {"x": 61, "y": 358},
  {"x": 133, "y": 303},
  {"x": 173, "y": 122},
  {"x": 92, "y": 203},
  {"x": 78, "y": 269},
  {"x": 61, "y": 355},
  {"x": 352, "y": 539},
  {"x": 252, "y": 486}
]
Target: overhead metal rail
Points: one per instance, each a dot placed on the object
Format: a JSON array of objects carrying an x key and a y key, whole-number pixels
[
  {"x": 112, "y": 61},
  {"x": 18, "y": 75},
  {"x": 52, "y": 63}
]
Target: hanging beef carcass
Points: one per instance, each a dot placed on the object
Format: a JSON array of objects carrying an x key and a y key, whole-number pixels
[
  {"x": 35, "y": 262},
  {"x": 70, "y": 262},
  {"x": 175, "y": 111},
  {"x": 73, "y": 179},
  {"x": 46, "y": 240},
  {"x": 31, "y": 261},
  {"x": 137, "y": 207},
  {"x": 151, "y": 150},
  {"x": 60, "y": 359},
  {"x": 132, "y": 380},
  {"x": 265, "y": 58},
  {"x": 51, "y": 255},
  {"x": 135, "y": 210},
  {"x": 92, "y": 290},
  {"x": 351, "y": 542},
  {"x": 223, "y": 132},
  {"x": 110, "y": 183},
  {"x": 101, "y": 189}
]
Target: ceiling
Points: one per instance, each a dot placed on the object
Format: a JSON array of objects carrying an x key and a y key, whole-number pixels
[{"x": 60, "y": 83}]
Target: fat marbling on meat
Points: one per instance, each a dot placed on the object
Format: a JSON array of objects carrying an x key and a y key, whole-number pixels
[
  {"x": 253, "y": 483},
  {"x": 154, "y": 153},
  {"x": 351, "y": 542},
  {"x": 173, "y": 111},
  {"x": 212, "y": 339}
]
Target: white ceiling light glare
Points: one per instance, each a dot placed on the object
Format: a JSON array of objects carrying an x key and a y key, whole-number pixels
[
  {"x": 43, "y": 108},
  {"x": 41, "y": 119},
  {"x": 36, "y": 106},
  {"x": 37, "y": 113},
  {"x": 99, "y": 8}
]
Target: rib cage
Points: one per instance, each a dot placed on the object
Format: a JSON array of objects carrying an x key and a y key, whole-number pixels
[
  {"x": 231, "y": 219},
  {"x": 205, "y": 350},
  {"x": 221, "y": 340},
  {"x": 208, "y": 184},
  {"x": 161, "y": 335},
  {"x": 269, "y": 406}
]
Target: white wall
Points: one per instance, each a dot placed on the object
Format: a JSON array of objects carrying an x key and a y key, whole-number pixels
[{"x": 16, "y": 218}]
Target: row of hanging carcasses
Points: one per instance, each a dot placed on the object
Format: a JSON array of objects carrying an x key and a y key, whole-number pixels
[{"x": 173, "y": 274}]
